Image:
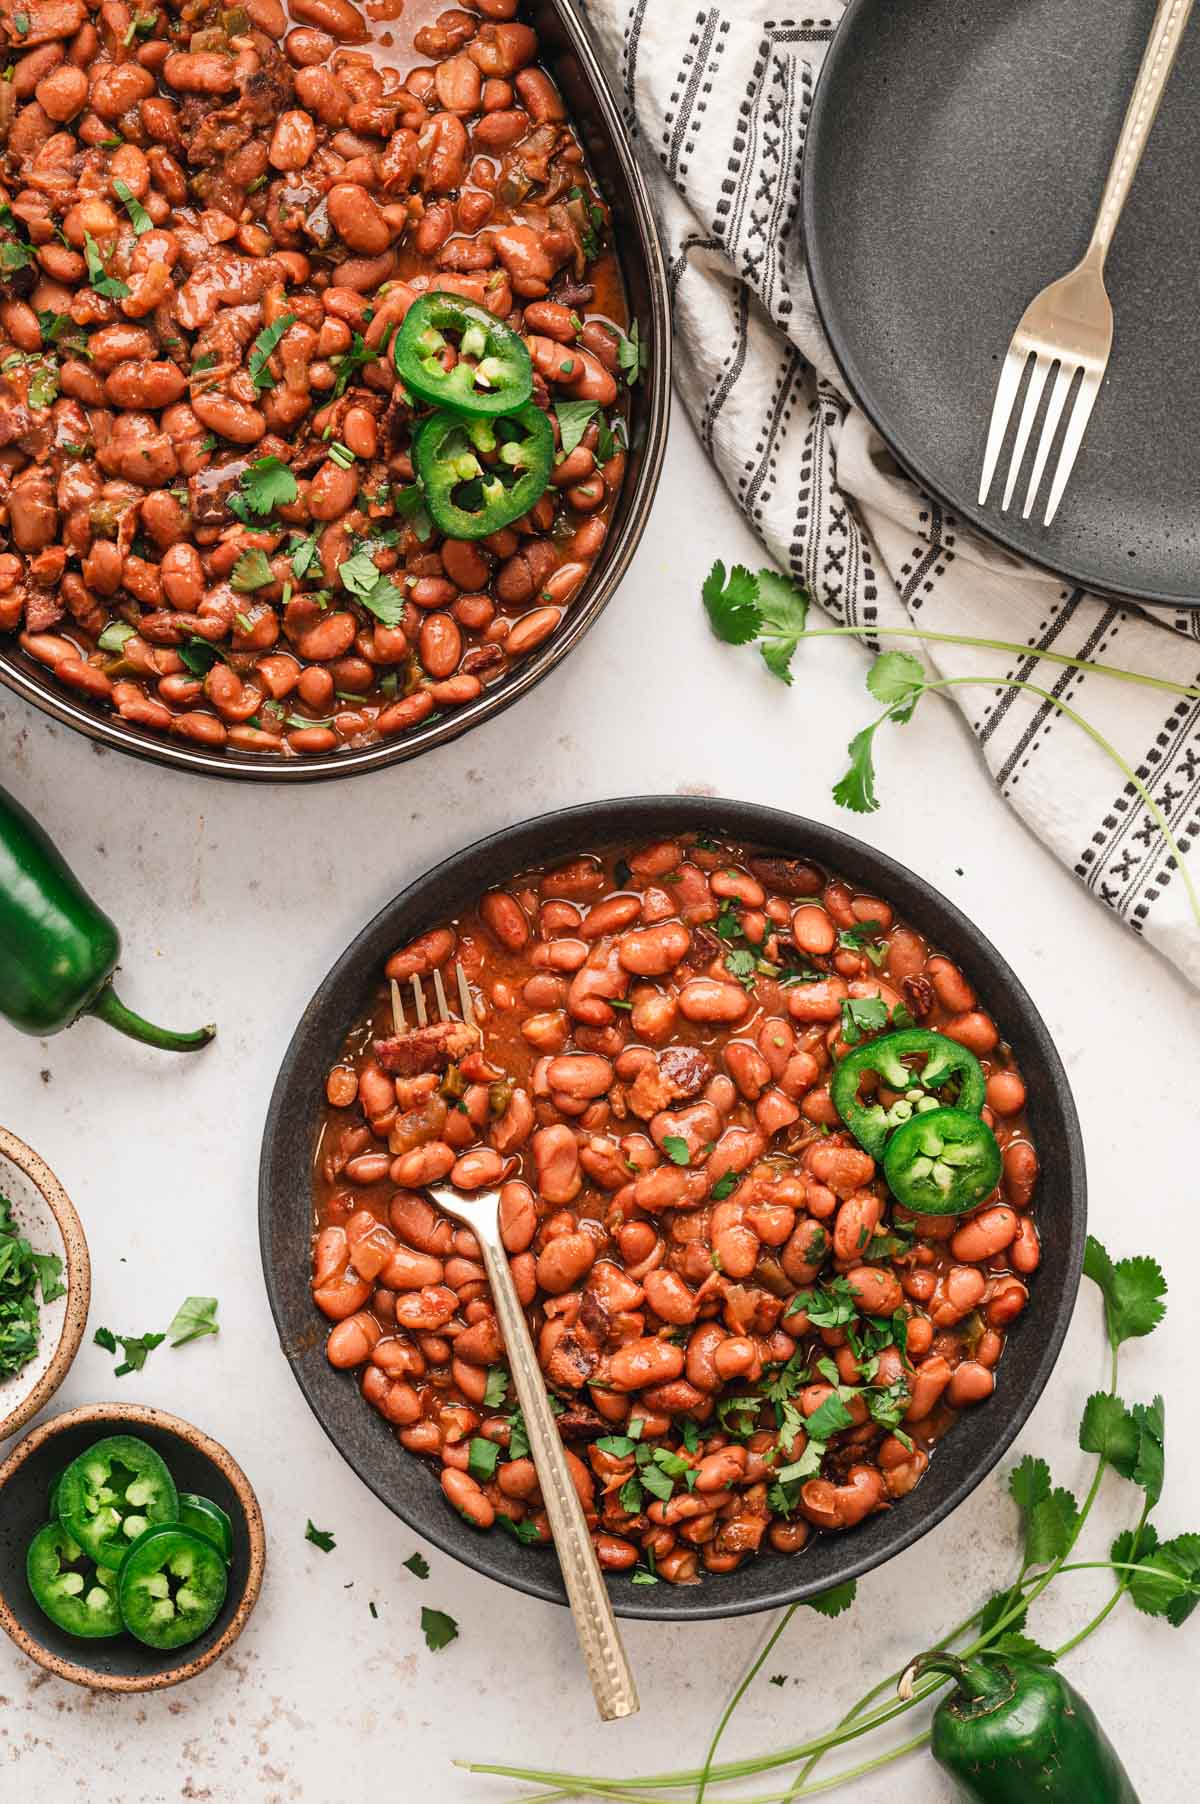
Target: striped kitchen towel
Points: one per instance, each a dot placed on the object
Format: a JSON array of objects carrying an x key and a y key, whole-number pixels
[{"x": 718, "y": 97}]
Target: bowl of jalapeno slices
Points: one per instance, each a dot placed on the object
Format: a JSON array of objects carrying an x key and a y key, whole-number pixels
[{"x": 131, "y": 1548}]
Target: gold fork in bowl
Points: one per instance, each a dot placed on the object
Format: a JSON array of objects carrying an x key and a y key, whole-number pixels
[
  {"x": 1070, "y": 323},
  {"x": 604, "y": 1655}
]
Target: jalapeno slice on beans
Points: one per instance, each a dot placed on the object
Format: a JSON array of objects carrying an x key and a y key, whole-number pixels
[
  {"x": 171, "y": 1586},
  {"x": 945, "y": 1062},
  {"x": 479, "y": 474},
  {"x": 943, "y": 1162},
  {"x": 112, "y": 1494},
  {"x": 69, "y": 1587},
  {"x": 204, "y": 1517},
  {"x": 493, "y": 372}
]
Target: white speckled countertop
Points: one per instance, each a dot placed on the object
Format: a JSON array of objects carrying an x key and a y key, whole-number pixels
[{"x": 234, "y": 901}]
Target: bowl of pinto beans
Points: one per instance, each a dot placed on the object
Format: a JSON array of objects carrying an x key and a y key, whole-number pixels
[
  {"x": 334, "y": 373},
  {"x": 790, "y": 1178}
]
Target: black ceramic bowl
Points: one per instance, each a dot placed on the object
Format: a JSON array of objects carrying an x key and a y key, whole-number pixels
[
  {"x": 567, "y": 50},
  {"x": 197, "y": 1464},
  {"x": 406, "y": 1484}
]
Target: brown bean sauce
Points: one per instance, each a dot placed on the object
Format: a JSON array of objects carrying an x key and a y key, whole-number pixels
[
  {"x": 659, "y": 1028},
  {"x": 215, "y": 222}
]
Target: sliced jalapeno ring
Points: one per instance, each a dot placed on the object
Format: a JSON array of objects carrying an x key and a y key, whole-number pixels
[
  {"x": 112, "y": 1494},
  {"x": 171, "y": 1586},
  {"x": 67, "y": 1585},
  {"x": 479, "y": 474},
  {"x": 946, "y": 1062},
  {"x": 943, "y": 1162},
  {"x": 204, "y": 1517},
  {"x": 492, "y": 373}
]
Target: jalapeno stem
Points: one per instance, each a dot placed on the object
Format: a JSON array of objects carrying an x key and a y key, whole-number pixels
[{"x": 109, "y": 1008}]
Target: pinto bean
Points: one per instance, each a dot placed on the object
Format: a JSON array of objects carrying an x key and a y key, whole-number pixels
[
  {"x": 985, "y": 1234},
  {"x": 645, "y": 1362}
]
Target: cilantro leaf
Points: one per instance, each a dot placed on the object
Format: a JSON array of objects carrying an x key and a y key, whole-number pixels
[
  {"x": 350, "y": 362},
  {"x": 862, "y": 1015},
  {"x": 836, "y": 1601},
  {"x": 263, "y": 346},
  {"x": 320, "y": 1537},
  {"x": 898, "y": 678},
  {"x": 1020, "y": 1647},
  {"x": 855, "y": 790},
  {"x": 496, "y": 1388},
  {"x": 1172, "y": 1588},
  {"x": 303, "y": 555},
  {"x": 523, "y": 1531},
  {"x": 100, "y": 281},
  {"x": 1133, "y": 1290},
  {"x": 139, "y": 218},
  {"x": 676, "y": 1149},
  {"x": 417, "y": 1564},
  {"x": 268, "y": 483},
  {"x": 784, "y": 612},
  {"x": 114, "y": 635},
  {"x": 1029, "y": 1483},
  {"x": 438, "y": 1628},
  {"x": 1049, "y": 1527},
  {"x": 1107, "y": 1428},
  {"x": 1148, "y": 1471},
  {"x": 482, "y": 1458},
  {"x": 373, "y": 590},
  {"x": 724, "y": 1187},
  {"x": 732, "y": 606},
  {"x": 1001, "y": 1605},
  {"x": 573, "y": 418},
  {"x": 828, "y": 1419},
  {"x": 252, "y": 571},
  {"x": 196, "y": 1316},
  {"x": 104, "y": 1337},
  {"x": 14, "y": 254}
]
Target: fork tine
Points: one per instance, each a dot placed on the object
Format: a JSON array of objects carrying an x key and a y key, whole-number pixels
[
  {"x": 419, "y": 1002},
  {"x": 440, "y": 993},
  {"x": 464, "y": 994},
  {"x": 1012, "y": 369},
  {"x": 1081, "y": 413},
  {"x": 1067, "y": 372},
  {"x": 1033, "y": 397},
  {"x": 398, "y": 1021}
]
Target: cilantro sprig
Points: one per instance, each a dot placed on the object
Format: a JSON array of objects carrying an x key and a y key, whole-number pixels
[
  {"x": 1160, "y": 1577},
  {"x": 743, "y": 607}
]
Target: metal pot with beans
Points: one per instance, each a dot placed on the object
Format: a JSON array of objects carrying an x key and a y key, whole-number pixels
[{"x": 250, "y": 260}]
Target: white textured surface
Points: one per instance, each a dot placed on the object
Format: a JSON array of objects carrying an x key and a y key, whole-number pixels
[{"x": 234, "y": 902}]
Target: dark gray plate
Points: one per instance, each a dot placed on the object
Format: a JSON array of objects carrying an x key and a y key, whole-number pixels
[
  {"x": 408, "y": 1485},
  {"x": 955, "y": 160}
]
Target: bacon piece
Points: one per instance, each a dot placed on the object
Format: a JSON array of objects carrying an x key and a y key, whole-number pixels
[{"x": 432, "y": 1048}]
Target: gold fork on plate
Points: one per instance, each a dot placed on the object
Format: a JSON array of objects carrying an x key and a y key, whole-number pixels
[
  {"x": 607, "y": 1664},
  {"x": 1070, "y": 323}
]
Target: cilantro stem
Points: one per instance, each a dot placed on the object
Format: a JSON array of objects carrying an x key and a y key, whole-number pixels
[
  {"x": 1106, "y": 746},
  {"x": 751, "y": 1674},
  {"x": 1190, "y": 690}
]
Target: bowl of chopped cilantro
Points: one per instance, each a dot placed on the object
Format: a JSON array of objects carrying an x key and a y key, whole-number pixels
[{"x": 45, "y": 1283}]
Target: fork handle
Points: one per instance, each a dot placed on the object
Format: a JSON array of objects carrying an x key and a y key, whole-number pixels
[
  {"x": 1148, "y": 90},
  {"x": 607, "y": 1665}
]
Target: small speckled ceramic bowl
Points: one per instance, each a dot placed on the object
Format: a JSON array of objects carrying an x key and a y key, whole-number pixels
[
  {"x": 197, "y": 1464},
  {"x": 43, "y": 1212}
]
